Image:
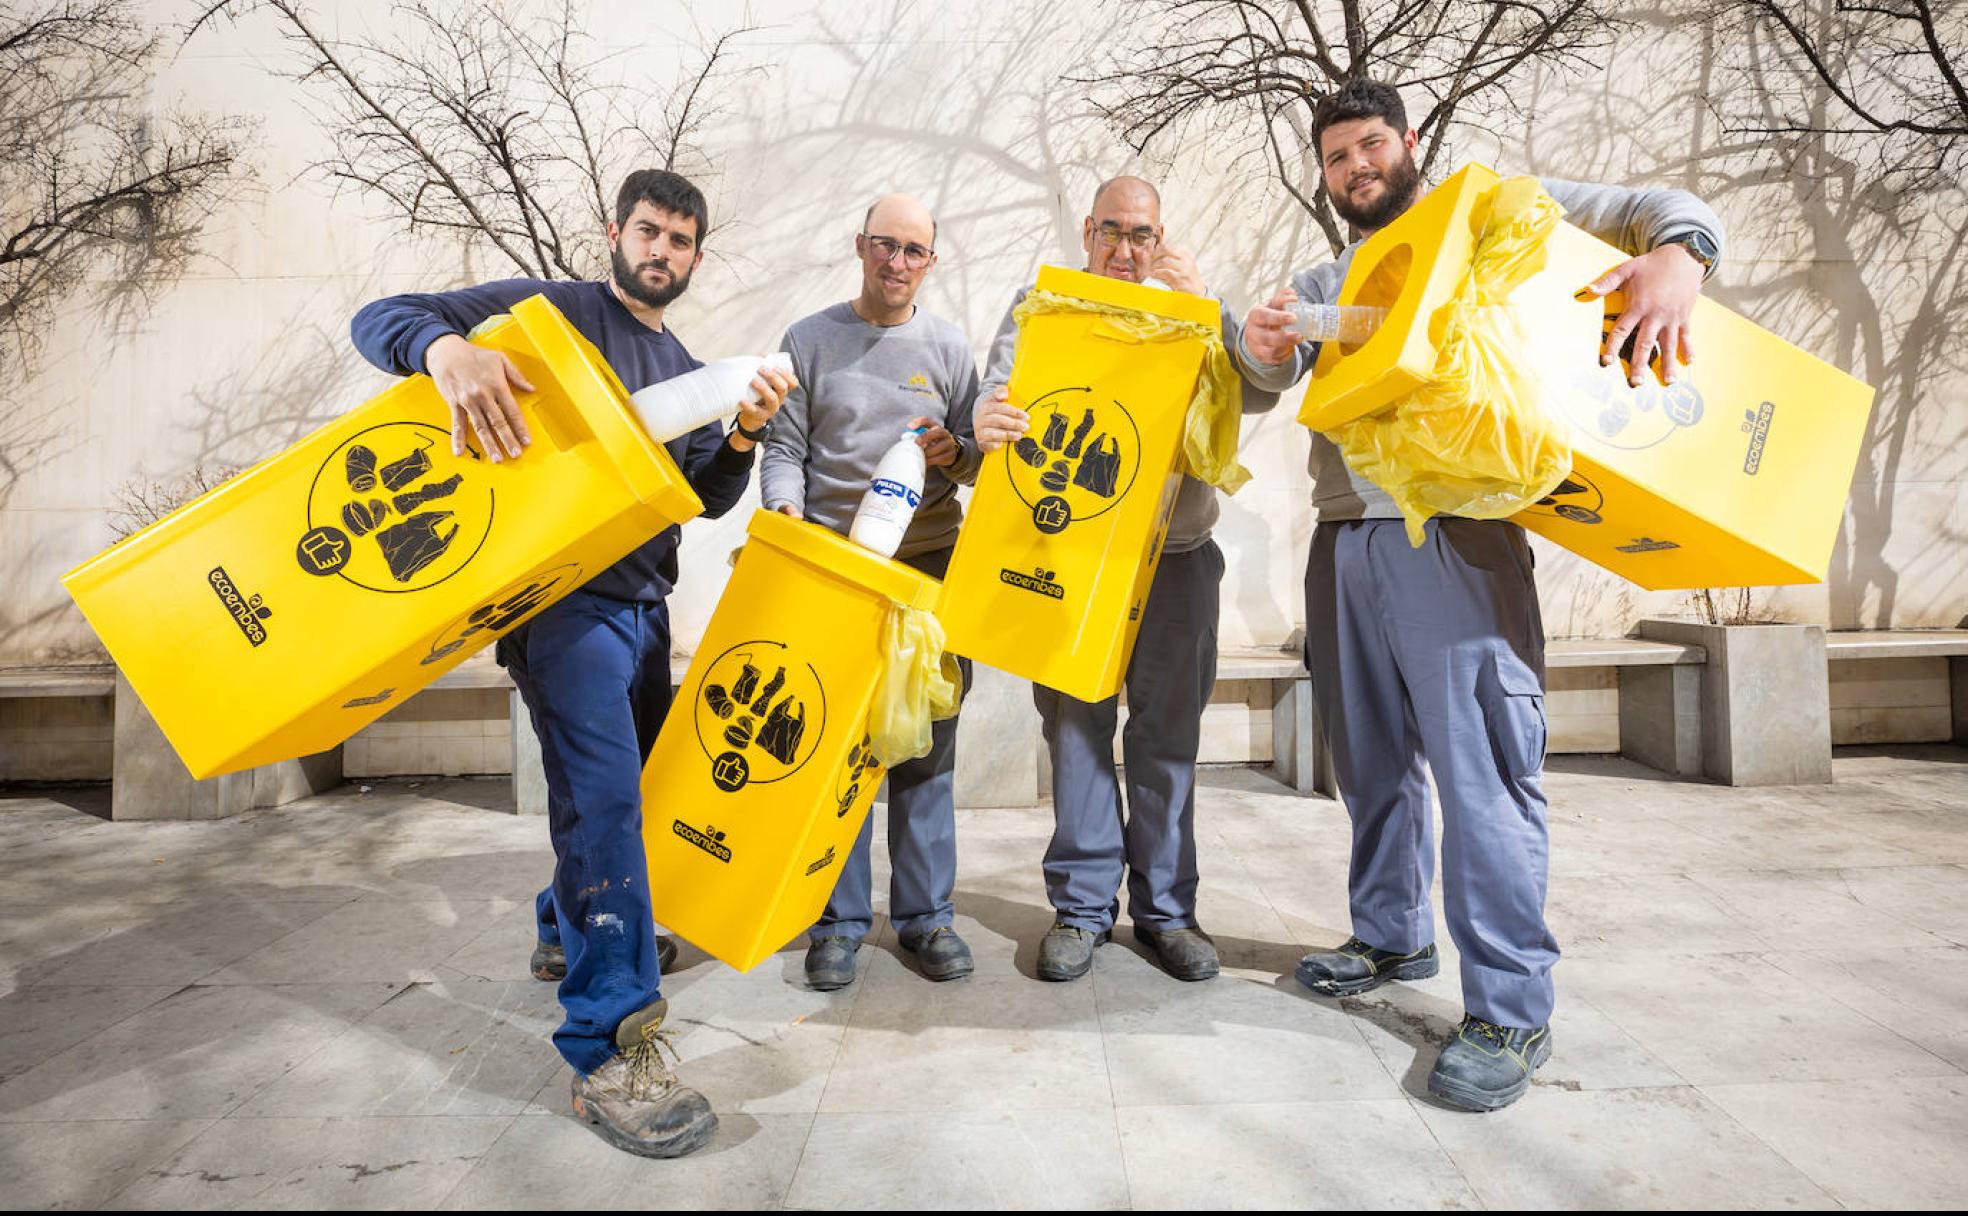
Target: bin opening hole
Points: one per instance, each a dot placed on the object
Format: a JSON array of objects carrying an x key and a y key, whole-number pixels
[{"x": 1384, "y": 284}]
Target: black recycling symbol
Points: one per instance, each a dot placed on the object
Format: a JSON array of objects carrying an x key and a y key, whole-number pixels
[
  {"x": 388, "y": 516},
  {"x": 860, "y": 760},
  {"x": 760, "y": 711},
  {"x": 1585, "y": 500},
  {"x": 1080, "y": 458},
  {"x": 502, "y": 611}
]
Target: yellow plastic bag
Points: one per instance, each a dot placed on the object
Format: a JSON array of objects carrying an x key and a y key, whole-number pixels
[
  {"x": 1211, "y": 427},
  {"x": 920, "y": 684},
  {"x": 1477, "y": 441}
]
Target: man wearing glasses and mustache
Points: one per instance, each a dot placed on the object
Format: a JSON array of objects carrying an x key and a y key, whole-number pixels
[
  {"x": 870, "y": 369},
  {"x": 1169, "y": 676}
]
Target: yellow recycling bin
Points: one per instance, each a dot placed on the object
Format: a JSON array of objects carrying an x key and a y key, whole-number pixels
[
  {"x": 295, "y": 604},
  {"x": 1065, "y": 528},
  {"x": 764, "y": 771},
  {"x": 1736, "y": 475}
]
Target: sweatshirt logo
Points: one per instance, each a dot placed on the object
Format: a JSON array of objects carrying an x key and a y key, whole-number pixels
[
  {"x": 1756, "y": 425},
  {"x": 1039, "y": 582},
  {"x": 918, "y": 384},
  {"x": 247, "y": 611}
]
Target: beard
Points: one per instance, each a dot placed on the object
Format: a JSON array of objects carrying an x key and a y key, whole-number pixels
[
  {"x": 632, "y": 286},
  {"x": 1399, "y": 186}
]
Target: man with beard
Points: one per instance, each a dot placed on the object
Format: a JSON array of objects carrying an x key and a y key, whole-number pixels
[
  {"x": 1437, "y": 652},
  {"x": 1169, "y": 676},
  {"x": 594, "y": 669},
  {"x": 870, "y": 369}
]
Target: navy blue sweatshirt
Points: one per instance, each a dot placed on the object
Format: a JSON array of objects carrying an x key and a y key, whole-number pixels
[{"x": 394, "y": 333}]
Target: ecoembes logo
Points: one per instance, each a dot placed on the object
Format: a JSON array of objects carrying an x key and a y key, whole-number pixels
[
  {"x": 1756, "y": 425},
  {"x": 248, "y": 611},
  {"x": 826, "y": 860},
  {"x": 1647, "y": 544},
  {"x": 1039, "y": 582},
  {"x": 710, "y": 839}
]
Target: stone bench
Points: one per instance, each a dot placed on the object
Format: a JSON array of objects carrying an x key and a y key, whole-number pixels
[{"x": 1890, "y": 644}]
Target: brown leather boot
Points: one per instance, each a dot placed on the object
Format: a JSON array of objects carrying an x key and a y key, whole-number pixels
[{"x": 636, "y": 1102}]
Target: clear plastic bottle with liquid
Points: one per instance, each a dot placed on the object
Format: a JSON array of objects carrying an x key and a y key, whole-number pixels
[{"x": 1348, "y": 324}]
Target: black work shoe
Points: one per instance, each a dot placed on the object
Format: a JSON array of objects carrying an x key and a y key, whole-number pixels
[
  {"x": 830, "y": 963},
  {"x": 1357, "y": 967},
  {"x": 941, "y": 954},
  {"x": 1487, "y": 1066},
  {"x": 550, "y": 958},
  {"x": 1186, "y": 954},
  {"x": 636, "y": 1102},
  {"x": 1066, "y": 951}
]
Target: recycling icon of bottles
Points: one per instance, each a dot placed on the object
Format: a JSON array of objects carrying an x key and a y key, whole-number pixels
[
  {"x": 392, "y": 510},
  {"x": 503, "y": 610},
  {"x": 1078, "y": 459},
  {"x": 760, "y": 712}
]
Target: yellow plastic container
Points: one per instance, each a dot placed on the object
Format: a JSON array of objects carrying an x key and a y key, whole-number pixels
[
  {"x": 1065, "y": 528},
  {"x": 1736, "y": 475},
  {"x": 763, "y": 773},
  {"x": 295, "y": 604}
]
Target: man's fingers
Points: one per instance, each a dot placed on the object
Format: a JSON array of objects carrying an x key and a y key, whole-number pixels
[
  {"x": 1687, "y": 336},
  {"x": 481, "y": 426},
  {"x": 1609, "y": 281},
  {"x": 1644, "y": 340},
  {"x": 513, "y": 376},
  {"x": 503, "y": 413},
  {"x": 460, "y": 421},
  {"x": 1670, "y": 352},
  {"x": 1617, "y": 339}
]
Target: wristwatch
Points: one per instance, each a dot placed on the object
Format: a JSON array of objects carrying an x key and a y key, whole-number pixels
[
  {"x": 758, "y": 436},
  {"x": 1700, "y": 248}
]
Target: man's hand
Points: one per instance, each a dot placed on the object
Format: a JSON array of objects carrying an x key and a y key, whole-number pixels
[
  {"x": 1177, "y": 269},
  {"x": 771, "y": 386},
  {"x": 938, "y": 444},
  {"x": 1267, "y": 330},
  {"x": 1660, "y": 290},
  {"x": 788, "y": 509},
  {"x": 998, "y": 422},
  {"x": 478, "y": 385}
]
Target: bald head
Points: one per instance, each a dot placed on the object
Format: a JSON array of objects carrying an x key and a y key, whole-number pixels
[
  {"x": 1132, "y": 190},
  {"x": 891, "y": 213}
]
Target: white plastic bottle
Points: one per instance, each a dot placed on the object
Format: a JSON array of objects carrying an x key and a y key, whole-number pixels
[
  {"x": 1351, "y": 324},
  {"x": 892, "y": 498},
  {"x": 681, "y": 404}
]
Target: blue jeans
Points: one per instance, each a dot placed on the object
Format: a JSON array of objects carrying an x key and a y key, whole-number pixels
[{"x": 595, "y": 675}]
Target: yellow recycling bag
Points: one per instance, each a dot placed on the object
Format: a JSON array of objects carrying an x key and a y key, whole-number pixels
[
  {"x": 1065, "y": 528},
  {"x": 765, "y": 768},
  {"x": 920, "y": 685},
  {"x": 1476, "y": 440},
  {"x": 284, "y": 611}
]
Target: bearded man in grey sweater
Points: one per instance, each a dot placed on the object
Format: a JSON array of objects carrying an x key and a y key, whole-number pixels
[
  {"x": 871, "y": 369},
  {"x": 1436, "y": 653}
]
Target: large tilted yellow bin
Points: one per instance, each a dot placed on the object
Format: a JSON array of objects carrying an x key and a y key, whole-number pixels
[
  {"x": 295, "y": 604},
  {"x": 763, "y": 773},
  {"x": 1737, "y": 475},
  {"x": 1065, "y": 528}
]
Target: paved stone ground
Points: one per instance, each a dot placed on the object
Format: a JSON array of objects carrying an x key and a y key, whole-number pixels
[{"x": 1763, "y": 1003}]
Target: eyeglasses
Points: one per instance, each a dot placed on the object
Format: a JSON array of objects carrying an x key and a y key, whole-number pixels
[
  {"x": 914, "y": 256},
  {"x": 1111, "y": 234}
]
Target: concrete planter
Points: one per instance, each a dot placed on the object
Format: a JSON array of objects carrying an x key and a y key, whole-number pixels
[
  {"x": 1765, "y": 701},
  {"x": 148, "y": 780}
]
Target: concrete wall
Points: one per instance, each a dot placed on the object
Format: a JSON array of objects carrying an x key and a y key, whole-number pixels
[{"x": 966, "y": 107}]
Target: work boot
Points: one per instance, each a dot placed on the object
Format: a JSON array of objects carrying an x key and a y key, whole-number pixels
[
  {"x": 1066, "y": 951},
  {"x": 1186, "y": 954},
  {"x": 550, "y": 958},
  {"x": 1357, "y": 967},
  {"x": 830, "y": 963},
  {"x": 1487, "y": 1066},
  {"x": 941, "y": 954},
  {"x": 636, "y": 1102}
]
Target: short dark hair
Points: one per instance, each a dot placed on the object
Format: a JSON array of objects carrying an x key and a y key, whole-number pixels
[
  {"x": 1360, "y": 97},
  {"x": 667, "y": 191}
]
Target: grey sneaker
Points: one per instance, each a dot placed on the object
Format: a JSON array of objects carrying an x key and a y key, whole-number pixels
[
  {"x": 941, "y": 954},
  {"x": 1186, "y": 954},
  {"x": 1066, "y": 951},
  {"x": 550, "y": 958},
  {"x": 636, "y": 1102},
  {"x": 1357, "y": 967},
  {"x": 1487, "y": 1066},
  {"x": 830, "y": 963}
]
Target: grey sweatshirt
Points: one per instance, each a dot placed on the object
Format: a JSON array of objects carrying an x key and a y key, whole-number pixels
[
  {"x": 1634, "y": 220},
  {"x": 859, "y": 385},
  {"x": 1195, "y": 502}
]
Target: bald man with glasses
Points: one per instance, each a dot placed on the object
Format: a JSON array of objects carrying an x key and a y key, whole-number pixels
[
  {"x": 869, "y": 369},
  {"x": 1153, "y": 844}
]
